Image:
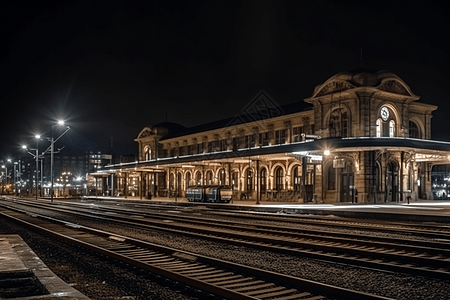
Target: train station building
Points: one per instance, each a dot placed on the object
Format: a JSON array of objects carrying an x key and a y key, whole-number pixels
[{"x": 362, "y": 136}]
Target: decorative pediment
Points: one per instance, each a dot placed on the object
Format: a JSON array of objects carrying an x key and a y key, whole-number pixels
[
  {"x": 145, "y": 132},
  {"x": 333, "y": 87},
  {"x": 395, "y": 87}
]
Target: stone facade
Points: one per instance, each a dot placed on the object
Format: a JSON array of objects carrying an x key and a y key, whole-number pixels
[{"x": 364, "y": 131}]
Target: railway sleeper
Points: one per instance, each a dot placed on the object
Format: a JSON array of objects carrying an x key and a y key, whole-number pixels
[
  {"x": 249, "y": 281},
  {"x": 228, "y": 277}
]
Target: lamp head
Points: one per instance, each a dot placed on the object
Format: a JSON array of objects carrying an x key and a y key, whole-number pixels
[
  {"x": 38, "y": 136},
  {"x": 24, "y": 147},
  {"x": 60, "y": 122}
]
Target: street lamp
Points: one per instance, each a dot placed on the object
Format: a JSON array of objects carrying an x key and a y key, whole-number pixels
[
  {"x": 36, "y": 157},
  {"x": 38, "y": 137},
  {"x": 52, "y": 143},
  {"x": 15, "y": 178},
  {"x": 6, "y": 177}
]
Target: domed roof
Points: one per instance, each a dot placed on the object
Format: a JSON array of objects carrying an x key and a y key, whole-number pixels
[
  {"x": 170, "y": 126},
  {"x": 381, "y": 80}
]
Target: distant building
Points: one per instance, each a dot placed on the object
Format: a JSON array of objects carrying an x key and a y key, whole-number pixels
[
  {"x": 69, "y": 172},
  {"x": 361, "y": 136}
]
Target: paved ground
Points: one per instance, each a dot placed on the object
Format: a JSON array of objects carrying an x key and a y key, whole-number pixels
[{"x": 24, "y": 276}]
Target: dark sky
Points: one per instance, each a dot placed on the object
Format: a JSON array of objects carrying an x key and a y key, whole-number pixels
[{"x": 109, "y": 68}]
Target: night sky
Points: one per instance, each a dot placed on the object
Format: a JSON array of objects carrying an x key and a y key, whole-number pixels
[{"x": 109, "y": 68}]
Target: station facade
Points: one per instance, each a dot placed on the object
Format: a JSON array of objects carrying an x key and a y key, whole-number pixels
[{"x": 361, "y": 136}]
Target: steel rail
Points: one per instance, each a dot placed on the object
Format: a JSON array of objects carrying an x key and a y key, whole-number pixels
[
  {"x": 291, "y": 247},
  {"x": 192, "y": 269}
]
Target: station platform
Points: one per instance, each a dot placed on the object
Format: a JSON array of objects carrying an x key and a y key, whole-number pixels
[
  {"x": 416, "y": 211},
  {"x": 23, "y": 276}
]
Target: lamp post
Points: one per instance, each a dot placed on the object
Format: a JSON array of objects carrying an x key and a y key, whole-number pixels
[
  {"x": 36, "y": 157},
  {"x": 15, "y": 178},
  {"x": 52, "y": 150},
  {"x": 37, "y": 163},
  {"x": 6, "y": 178}
]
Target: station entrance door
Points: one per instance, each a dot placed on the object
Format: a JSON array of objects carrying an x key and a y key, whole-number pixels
[{"x": 391, "y": 182}]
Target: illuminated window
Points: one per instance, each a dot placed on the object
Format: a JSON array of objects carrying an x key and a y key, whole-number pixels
[
  {"x": 391, "y": 128},
  {"x": 148, "y": 153},
  {"x": 378, "y": 128}
]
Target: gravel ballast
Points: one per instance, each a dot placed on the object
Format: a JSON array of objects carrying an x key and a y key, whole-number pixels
[{"x": 392, "y": 285}]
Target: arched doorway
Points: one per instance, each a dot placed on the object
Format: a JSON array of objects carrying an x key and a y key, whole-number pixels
[{"x": 391, "y": 181}]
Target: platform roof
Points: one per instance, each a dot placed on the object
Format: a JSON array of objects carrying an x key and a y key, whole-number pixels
[{"x": 426, "y": 150}]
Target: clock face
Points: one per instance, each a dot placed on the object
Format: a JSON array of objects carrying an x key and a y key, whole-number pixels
[{"x": 384, "y": 113}]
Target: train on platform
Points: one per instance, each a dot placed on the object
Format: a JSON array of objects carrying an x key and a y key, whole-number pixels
[{"x": 210, "y": 193}]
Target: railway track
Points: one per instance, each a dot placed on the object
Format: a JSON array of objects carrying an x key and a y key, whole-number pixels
[
  {"x": 225, "y": 279},
  {"x": 429, "y": 259}
]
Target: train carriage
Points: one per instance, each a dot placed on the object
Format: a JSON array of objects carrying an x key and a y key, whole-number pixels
[{"x": 212, "y": 193}]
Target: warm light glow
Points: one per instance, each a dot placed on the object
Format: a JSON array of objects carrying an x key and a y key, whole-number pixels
[{"x": 326, "y": 152}]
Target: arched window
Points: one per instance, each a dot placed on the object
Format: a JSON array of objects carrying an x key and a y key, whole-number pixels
[
  {"x": 296, "y": 179},
  {"x": 208, "y": 178},
  {"x": 414, "y": 130},
  {"x": 339, "y": 123},
  {"x": 391, "y": 128},
  {"x": 249, "y": 177},
  {"x": 171, "y": 181},
  {"x": 198, "y": 178},
  {"x": 179, "y": 182},
  {"x": 263, "y": 179},
  {"x": 235, "y": 180},
  {"x": 147, "y": 153},
  {"x": 379, "y": 128},
  {"x": 188, "y": 179},
  {"x": 331, "y": 178},
  {"x": 279, "y": 178}
]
